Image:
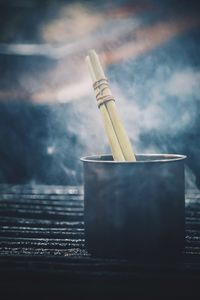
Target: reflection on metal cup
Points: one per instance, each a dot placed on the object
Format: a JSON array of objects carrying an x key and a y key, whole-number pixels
[{"x": 135, "y": 209}]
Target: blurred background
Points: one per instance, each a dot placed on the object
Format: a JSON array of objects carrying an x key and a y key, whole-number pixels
[{"x": 48, "y": 115}]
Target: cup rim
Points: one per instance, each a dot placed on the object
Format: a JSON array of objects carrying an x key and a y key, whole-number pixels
[{"x": 164, "y": 157}]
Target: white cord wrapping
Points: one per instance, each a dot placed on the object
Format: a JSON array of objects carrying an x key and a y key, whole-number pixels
[{"x": 99, "y": 86}]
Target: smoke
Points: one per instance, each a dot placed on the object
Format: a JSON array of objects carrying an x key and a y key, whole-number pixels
[
  {"x": 190, "y": 179},
  {"x": 161, "y": 113},
  {"x": 150, "y": 55},
  {"x": 169, "y": 104},
  {"x": 184, "y": 84}
]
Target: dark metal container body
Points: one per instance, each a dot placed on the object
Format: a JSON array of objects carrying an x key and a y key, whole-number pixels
[{"x": 134, "y": 209}]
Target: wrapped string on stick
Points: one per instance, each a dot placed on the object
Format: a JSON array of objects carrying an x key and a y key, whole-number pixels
[{"x": 117, "y": 136}]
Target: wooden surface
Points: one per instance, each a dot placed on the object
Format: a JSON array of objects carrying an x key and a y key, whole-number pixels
[{"x": 42, "y": 250}]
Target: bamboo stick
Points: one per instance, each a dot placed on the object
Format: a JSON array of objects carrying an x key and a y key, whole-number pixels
[
  {"x": 120, "y": 133},
  {"x": 115, "y": 147}
]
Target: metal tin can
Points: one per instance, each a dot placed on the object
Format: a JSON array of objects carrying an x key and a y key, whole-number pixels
[{"x": 134, "y": 209}]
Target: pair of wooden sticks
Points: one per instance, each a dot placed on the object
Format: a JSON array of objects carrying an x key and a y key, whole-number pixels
[{"x": 118, "y": 139}]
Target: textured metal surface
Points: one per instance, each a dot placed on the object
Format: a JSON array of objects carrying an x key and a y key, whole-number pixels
[{"x": 42, "y": 230}]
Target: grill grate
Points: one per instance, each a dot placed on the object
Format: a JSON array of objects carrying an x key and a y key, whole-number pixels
[{"x": 42, "y": 230}]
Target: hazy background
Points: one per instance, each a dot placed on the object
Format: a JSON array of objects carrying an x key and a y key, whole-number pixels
[{"x": 48, "y": 115}]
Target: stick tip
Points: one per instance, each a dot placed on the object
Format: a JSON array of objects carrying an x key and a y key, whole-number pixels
[
  {"x": 87, "y": 58},
  {"x": 92, "y": 51},
  {"x": 92, "y": 54}
]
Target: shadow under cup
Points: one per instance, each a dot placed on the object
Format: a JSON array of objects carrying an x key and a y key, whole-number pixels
[{"x": 134, "y": 209}]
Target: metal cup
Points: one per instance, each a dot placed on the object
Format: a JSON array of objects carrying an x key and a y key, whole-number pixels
[{"x": 134, "y": 209}]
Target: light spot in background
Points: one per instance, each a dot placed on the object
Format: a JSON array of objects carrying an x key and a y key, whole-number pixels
[
  {"x": 120, "y": 47},
  {"x": 78, "y": 27},
  {"x": 65, "y": 93},
  {"x": 147, "y": 38},
  {"x": 51, "y": 150},
  {"x": 73, "y": 21}
]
